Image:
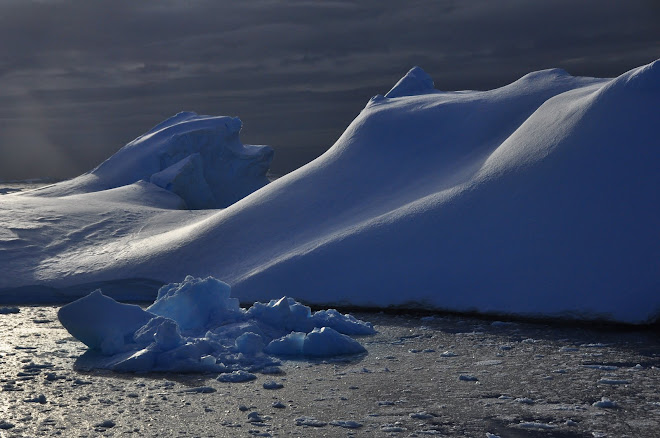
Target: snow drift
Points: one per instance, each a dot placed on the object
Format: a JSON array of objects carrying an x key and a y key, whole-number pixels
[
  {"x": 199, "y": 158},
  {"x": 538, "y": 198}
]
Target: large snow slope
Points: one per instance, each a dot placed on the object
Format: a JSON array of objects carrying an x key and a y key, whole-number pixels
[{"x": 537, "y": 198}]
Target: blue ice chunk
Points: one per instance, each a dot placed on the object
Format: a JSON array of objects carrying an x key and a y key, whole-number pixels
[
  {"x": 249, "y": 343},
  {"x": 102, "y": 323},
  {"x": 196, "y": 303}
]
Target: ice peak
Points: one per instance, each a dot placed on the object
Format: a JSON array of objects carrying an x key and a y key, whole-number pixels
[{"x": 415, "y": 82}]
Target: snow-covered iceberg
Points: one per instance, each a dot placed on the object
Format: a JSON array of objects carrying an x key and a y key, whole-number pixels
[
  {"x": 539, "y": 198},
  {"x": 199, "y": 158},
  {"x": 195, "y": 326}
]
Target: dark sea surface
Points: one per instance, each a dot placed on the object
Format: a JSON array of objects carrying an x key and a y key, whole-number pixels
[{"x": 436, "y": 375}]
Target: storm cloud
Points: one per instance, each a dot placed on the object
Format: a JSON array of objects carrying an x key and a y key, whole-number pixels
[{"x": 80, "y": 79}]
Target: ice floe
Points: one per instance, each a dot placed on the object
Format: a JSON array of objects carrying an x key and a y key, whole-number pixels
[{"x": 195, "y": 325}]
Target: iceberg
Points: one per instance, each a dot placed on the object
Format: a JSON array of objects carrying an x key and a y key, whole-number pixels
[
  {"x": 199, "y": 158},
  {"x": 195, "y": 326},
  {"x": 538, "y": 199}
]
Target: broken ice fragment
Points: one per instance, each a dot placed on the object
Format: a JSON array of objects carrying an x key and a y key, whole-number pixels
[
  {"x": 102, "y": 323},
  {"x": 271, "y": 384},
  {"x": 236, "y": 376}
]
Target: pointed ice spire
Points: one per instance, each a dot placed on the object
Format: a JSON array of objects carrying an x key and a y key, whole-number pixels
[{"x": 416, "y": 81}]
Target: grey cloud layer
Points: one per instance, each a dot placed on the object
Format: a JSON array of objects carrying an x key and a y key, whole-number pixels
[{"x": 81, "y": 78}]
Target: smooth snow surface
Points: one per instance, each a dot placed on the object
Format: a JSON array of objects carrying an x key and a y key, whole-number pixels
[
  {"x": 539, "y": 198},
  {"x": 195, "y": 326}
]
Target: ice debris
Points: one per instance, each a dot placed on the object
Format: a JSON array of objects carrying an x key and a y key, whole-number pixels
[
  {"x": 614, "y": 381},
  {"x": 196, "y": 326},
  {"x": 309, "y": 421},
  {"x": 106, "y": 424},
  {"x": 8, "y": 310},
  {"x": 6, "y": 425},
  {"x": 468, "y": 378},
  {"x": 525, "y": 400},
  {"x": 236, "y": 376},
  {"x": 346, "y": 424},
  {"x": 536, "y": 425},
  {"x": 605, "y": 403},
  {"x": 271, "y": 384},
  {"x": 200, "y": 390}
]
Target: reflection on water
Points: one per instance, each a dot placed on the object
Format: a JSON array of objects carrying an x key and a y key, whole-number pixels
[{"x": 530, "y": 379}]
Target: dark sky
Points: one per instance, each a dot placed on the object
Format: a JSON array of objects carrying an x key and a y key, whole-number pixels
[{"x": 81, "y": 78}]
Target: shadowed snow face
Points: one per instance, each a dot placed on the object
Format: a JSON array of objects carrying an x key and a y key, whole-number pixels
[
  {"x": 209, "y": 167},
  {"x": 217, "y": 146},
  {"x": 199, "y": 158}
]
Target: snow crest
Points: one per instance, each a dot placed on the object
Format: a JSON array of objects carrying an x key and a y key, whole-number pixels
[{"x": 415, "y": 82}]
